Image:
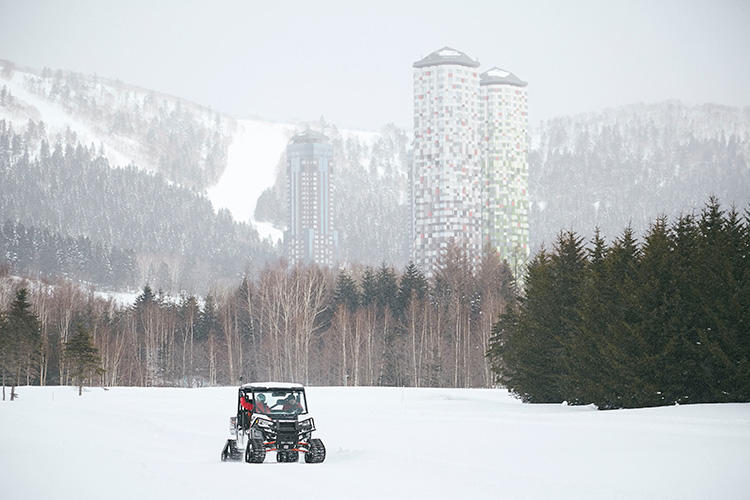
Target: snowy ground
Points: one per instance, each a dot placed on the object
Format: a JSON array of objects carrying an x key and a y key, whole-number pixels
[{"x": 139, "y": 443}]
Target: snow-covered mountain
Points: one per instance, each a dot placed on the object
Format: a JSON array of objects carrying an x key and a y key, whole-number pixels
[
  {"x": 620, "y": 166},
  {"x": 105, "y": 182},
  {"x": 230, "y": 160},
  {"x": 180, "y": 150},
  {"x": 185, "y": 142}
]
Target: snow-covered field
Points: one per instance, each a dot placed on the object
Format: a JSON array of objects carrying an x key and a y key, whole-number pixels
[{"x": 135, "y": 443}]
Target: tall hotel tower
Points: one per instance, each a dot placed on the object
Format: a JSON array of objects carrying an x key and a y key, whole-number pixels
[
  {"x": 446, "y": 172},
  {"x": 469, "y": 175},
  {"x": 505, "y": 166},
  {"x": 310, "y": 236}
]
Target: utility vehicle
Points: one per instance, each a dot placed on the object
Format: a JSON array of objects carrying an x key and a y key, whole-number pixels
[{"x": 272, "y": 416}]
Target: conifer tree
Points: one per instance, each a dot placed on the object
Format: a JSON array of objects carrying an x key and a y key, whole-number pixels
[
  {"x": 656, "y": 298},
  {"x": 567, "y": 265},
  {"x": 392, "y": 365},
  {"x": 369, "y": 287},
  {"x": 625, "y": 343},
  {"x": 387, "y": 288},
  {"x": 523, "y": 348},
  {"x": 346, "y": 293},
  {"x": 586, "y": 363},
  {"x": 22, "y": 339},
  {"x": 413, "y": 285},
  {"x": 720, "y": 308},
  {"x": 83, "y": 357}
]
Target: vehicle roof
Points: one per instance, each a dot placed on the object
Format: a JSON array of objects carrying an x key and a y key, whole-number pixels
[{"x": 272, "y": 385}]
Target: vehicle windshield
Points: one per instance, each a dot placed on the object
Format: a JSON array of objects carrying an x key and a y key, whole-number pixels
[{"x": 281, "y": 401}]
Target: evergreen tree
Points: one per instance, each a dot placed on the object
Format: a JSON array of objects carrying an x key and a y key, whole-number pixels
[
  {"x": 393, "y": 371},
  {"x": 523, "y": 346},
  {"x": 567, "y": 265},
  {"x": 413, "y": 285},
  {"x": 625, "y": 343},
  {"x": 656, "y": 294},
  {"x": 83, "y": 357},
  {"x": 346, "y": 293},
  {"x": 369, "y": 287},
  {"x": 720, "y": 257},
  {"x": 587, "y": 364},
  {"x": 387, "y": 288},
  {"x": 145, "y": 298},
  {"x": 208, "y": 320},
  {"x": 683, "y": 366},
  {"x": 21, "y": 340}
]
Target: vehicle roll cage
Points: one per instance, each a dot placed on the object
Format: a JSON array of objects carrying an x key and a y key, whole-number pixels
[{"x": 251, "y": 391}]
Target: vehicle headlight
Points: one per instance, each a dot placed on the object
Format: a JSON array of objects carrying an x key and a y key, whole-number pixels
[
  {"x": 266, "y": 424},
  {"x": 307, "y": 425}
]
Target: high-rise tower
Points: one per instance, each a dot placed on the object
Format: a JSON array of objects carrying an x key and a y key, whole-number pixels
[
  {"x": 505, "y": 166},
  {"x": 310, "y": 236},
  {"x": 446, "y": 170},
  {"x": 469, "y": 175}
]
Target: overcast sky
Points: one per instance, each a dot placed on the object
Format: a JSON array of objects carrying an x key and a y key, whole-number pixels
[{"x": 351, "y": 61}]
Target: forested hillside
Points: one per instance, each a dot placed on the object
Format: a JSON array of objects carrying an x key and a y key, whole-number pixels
[
  {"x": 177, "y": 239},
  {"x": 629, "y": 165},
  {"x": 40, "y": 252},
  {"x": 185, "y": 142}
]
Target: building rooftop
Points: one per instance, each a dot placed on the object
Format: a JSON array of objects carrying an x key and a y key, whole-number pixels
[
  {"x": 308, "y": 137},
  {"x": 497, "y": 76},
  {"x": 446, "y": 55}
]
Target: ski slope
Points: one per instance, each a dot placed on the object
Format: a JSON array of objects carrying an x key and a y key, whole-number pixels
[
  {"x": 155, "y": 443},
  {"x": 252, "y": 159}
]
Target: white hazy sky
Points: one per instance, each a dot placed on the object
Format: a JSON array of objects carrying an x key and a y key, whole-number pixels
[{"x": 351, "y": 61}]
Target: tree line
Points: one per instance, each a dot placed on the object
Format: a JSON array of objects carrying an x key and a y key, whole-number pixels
[
  {"x": 41, "y": 252},
  {"x": 366, "y": 326},
  {"x": 634, "y": 324}
]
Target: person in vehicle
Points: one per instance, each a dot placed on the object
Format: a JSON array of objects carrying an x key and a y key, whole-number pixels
[
  {"x": 245, "y": 403},
  {"x": 291, "y": 404},
  {"x": 247, "y": 408},
  {"x": 260, "y": 404}
]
